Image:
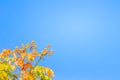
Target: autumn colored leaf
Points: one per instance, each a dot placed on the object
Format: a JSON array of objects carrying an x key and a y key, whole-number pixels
[
  {"x": 30, "y": 57},
  {"x": 35, "y": 53},
  {"x": 48, "y": 46},
  {"x": 27, "y": 65},
  {"x": 19, "y": 62},
  {"x": 48, "y": 71},
  {"x": 5, "y": 52},
  {"x": 50, "y": 52}
]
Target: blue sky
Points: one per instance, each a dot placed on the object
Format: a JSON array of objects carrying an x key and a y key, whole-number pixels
[{"x": 84, "y": 34}]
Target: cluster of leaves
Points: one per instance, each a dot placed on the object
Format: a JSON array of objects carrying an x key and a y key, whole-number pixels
[{"x": 24, "y": 59}]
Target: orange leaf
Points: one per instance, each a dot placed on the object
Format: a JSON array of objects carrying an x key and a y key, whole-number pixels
[
  {"x": 6, "y": 52},
  {"x": 27, "y": 65},
  {"x": 19, "y": 62},
  {"x": 34, "y": 52},
  {"x": 48, "y": 71},
  {"x": 30, "y": 57}
]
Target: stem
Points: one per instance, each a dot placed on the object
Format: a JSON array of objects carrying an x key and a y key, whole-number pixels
[{"x": 37, "y": 62}]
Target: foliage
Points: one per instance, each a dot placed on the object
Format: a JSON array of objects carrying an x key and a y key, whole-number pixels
[{"x": 21, "y": 64}]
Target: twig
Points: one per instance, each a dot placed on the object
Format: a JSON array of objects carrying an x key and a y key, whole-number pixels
[{"x": 37, "y": 62}]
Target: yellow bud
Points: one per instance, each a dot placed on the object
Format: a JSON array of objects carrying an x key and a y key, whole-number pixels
[
  {"x": 33, "y": 42},
  {"x": 48, "y": 46}
]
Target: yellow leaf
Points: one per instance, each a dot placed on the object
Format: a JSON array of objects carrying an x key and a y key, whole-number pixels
[
  {"x": 19, "y": 62},
  {"x": 34, "y": 52},
  {"x": 33, "y": 42},
  {"x": 49, "y": 72},
  {"x": 27, "y": 45},
  {"x": 30, "y": 57}
]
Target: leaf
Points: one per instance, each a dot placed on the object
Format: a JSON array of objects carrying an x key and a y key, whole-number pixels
[
  {"x": 5, "y": 52},
  {"x": 44, "y": 52},
  {"x": 23, "y": 55},
  {"x": 14, "y": 55},
  {"x": 48, "y": 46},
  {"x": 27, "y": 65},
  {"x": 30, "y": 57},
  {"x": 34, "y": 52},
  {"x": 17, "y": 50},
  {"x": 19, "y": 62},
  {"x": 49, "y": 72},
  {"x": 33, "y": 42},
  {"x": 8, "y": 51},
  {"x": 1, "y": 55},
  {"x": 50, "y": 52},
  {"x": 27, "y": 45}
]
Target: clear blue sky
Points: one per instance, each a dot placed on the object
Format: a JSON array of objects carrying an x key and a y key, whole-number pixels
[{"x": 85, "y": 34}]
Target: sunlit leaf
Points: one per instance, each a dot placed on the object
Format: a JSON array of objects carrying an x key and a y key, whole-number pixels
[
  {"x": 19, "y": 62},
  {"x": 30, "y": 57},
  {"x": 27, "y": 65}
]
